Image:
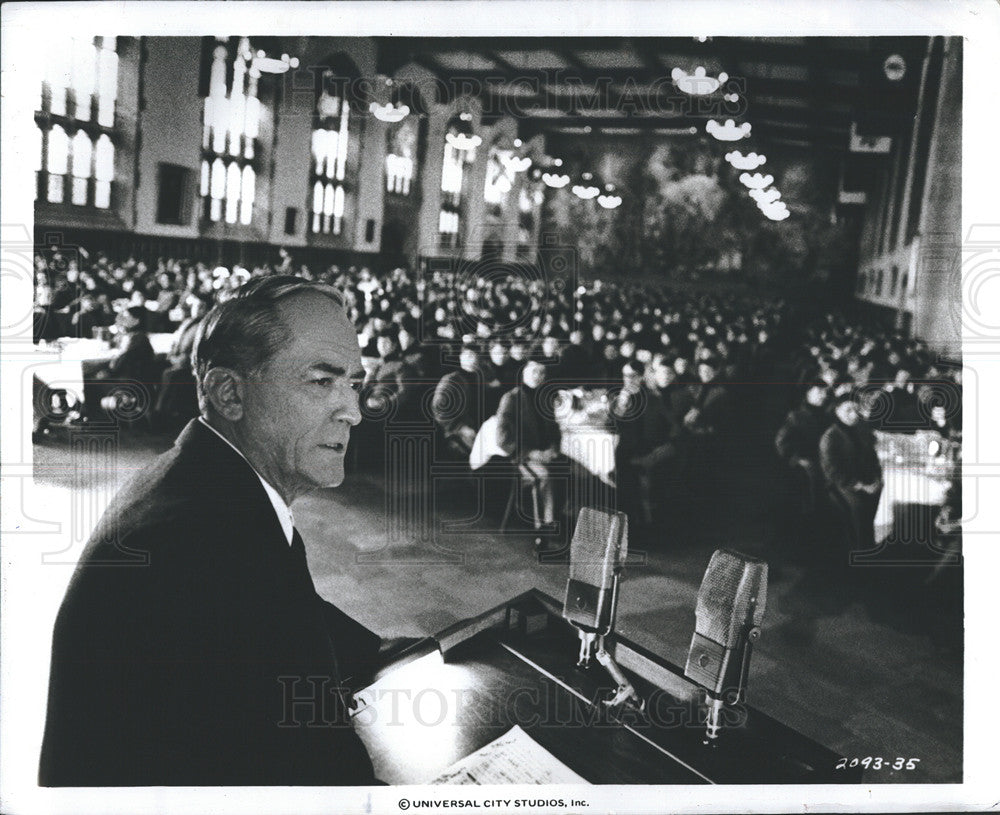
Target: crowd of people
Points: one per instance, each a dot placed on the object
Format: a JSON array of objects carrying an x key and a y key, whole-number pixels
[{"x": 450, "y": 350}]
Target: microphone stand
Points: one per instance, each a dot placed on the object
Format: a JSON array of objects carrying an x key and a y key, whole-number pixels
[
  {"x": 625, "y": 692},
  {"x": 731, "y": 696}
]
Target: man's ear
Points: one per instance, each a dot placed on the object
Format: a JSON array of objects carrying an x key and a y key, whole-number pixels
[{"x": 224, "y": 389}]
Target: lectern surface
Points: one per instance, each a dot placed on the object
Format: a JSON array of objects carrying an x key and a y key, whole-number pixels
[{"x": 428, "y": 710}]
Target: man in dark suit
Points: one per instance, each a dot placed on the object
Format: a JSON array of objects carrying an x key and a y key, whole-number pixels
[
  {"x": 457, "y": 405},
  {"x": 649, "y": 449},
  {"x": 797, "y": 442},
  {"x": 853, "y": 472},
  {"x": 191, "y": 647},
  {"x": 529, "y": 436},
  {"x": 178, "y": 398}
]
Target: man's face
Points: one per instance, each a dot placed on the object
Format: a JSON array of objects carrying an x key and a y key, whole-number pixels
[
  {"x": 847, "y": 412},
  {"x": 298, "y": 414},
  {"x": 467, "y": 360},
  {"x": 631, "y": 379},
  {"x": 534, "y": 374},
  {"x": 385, "y": 346},
  {"x": 498, "y": 354},
  {"x": 816, "y": 396},
  {"x": 706, "y": 373},
  {"x": 550, "y": 346},
  {"x": 663, "y": 374}
]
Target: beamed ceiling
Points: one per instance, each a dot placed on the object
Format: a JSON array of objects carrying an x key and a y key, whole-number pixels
[{"x": 798, "y": 91}]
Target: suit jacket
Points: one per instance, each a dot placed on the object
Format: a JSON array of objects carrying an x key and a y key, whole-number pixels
[
  {"x": 457, "y": 402},
  {"x": 644, "y": 422},
  {"x": 181, "y": 652},
  {"x": 522, "y": 427},
  {"x": 714, "y": 406},
  {"x": 847, "y": 456},
  {"x": 799, "y": 436}
]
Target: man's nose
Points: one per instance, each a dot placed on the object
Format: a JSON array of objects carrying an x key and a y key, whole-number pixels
[{"x": 348, "y": 408}]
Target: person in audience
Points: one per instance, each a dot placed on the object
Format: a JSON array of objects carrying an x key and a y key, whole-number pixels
[
  {"x": 389, "y": 386},
  {"x": 500, "y": 373},
  {"x": 457, "y": 404},
  {"x": 529, "y": 434},
  {"x": 797, "y": 442},
  {"x": 648, "y": 452},
  {"x": 575, "y": 364},
  {"x": 662, "y": 379},
  {"x": 711, "y": 409},
  {"x": 551, "y": 353},
  {"x": 416, "y": 357},
  {"x": 519, "y": 351},
  {"x": 853, "y": 473},
  {"x": 902, "y": 415},
  {"x": 608, "y": 368},
  {"x": 178, "y": 399}
]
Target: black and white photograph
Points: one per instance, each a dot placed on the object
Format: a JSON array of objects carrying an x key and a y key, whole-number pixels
[{"x": 553, "y": 407}]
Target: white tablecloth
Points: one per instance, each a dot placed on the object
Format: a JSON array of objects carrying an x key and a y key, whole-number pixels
[
  {"x": 916, "y": 469},
  {"x": 591, "y": 446},
  {"x": 60, "y": 364}
]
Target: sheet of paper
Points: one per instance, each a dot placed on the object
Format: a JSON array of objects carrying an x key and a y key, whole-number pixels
[{"x": 514, "y": 758}]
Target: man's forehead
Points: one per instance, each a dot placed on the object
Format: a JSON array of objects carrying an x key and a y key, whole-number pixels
[{"x": 319, "y": 327}]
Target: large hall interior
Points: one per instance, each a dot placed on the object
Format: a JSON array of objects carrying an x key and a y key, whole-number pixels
[{"x": 701, "y": 257}]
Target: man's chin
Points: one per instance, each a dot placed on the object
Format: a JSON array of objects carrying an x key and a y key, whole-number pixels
[{"x": 334, "y": 477}]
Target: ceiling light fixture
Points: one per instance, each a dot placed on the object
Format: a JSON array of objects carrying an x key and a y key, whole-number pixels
[{"x": 389, "y": 113}]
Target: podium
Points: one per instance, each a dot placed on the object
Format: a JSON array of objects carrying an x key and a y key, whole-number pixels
[{"x": 449, "y": 695}]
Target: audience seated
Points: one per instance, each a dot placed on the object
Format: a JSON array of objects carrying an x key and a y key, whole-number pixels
[{"x": 680, "y": 355}]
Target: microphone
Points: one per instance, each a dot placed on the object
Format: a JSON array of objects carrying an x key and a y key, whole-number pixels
[
  {"x": 599, "y": 545},
  {"x": 597, "y": 552},
  {"x": 728, "y": 615}
]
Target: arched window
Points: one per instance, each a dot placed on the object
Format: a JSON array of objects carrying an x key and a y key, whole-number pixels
[
  {"x": 231, "y": 125},
  {"x": 246, "y": 195},
  {"x": 75, "y": 116},
  {"x": 38, "y": 154},
  {"x": 57, "y": 163},
  {"x": 404, "y": 144},
  {"x": 104, "y": 172},
  {"x": 459, "y": 150},
  {"x": 330, "y": 139},
  {"x": 107, "y": 84},
  {"x": 84, "y": 70},
  {"x": 82, "y": 155}
]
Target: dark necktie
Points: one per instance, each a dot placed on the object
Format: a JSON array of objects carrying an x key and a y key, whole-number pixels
[
  {"x": 298, "y": 547},
  {"x": 299, "y": 552}
]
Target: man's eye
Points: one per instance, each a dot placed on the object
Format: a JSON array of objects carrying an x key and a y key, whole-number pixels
[
  {"x": 356, "y": 385},
  {"x": 323, "y": 381}
]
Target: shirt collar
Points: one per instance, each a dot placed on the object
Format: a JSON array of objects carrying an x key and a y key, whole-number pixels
[{"x": 280, "y": 507}]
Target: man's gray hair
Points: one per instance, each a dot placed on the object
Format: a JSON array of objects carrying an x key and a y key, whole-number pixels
[{"x": 244, "y": 332}]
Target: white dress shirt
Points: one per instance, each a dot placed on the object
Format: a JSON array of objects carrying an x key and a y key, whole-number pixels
[{"x": 280, "y": 507}]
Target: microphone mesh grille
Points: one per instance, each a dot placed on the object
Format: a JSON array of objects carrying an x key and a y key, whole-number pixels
[
  {"x": 733, "y": 593},
  {"x": 597, "y": 535}
]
